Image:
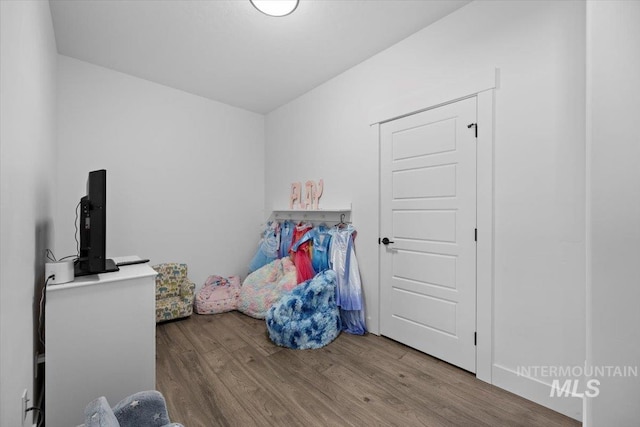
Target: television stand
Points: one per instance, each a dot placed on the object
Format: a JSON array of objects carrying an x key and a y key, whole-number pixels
[{"x": 109, "y": 267}]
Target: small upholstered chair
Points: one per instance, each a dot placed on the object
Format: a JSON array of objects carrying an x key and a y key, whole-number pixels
[
  {"x": 143, "y": 409},
  {"x": 174, "y": 292}
]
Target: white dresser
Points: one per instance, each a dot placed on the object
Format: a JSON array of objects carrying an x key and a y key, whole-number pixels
[{"x": 100, "y": 341}]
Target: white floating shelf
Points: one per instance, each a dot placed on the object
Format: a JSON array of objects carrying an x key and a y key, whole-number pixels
[{"x": 318, "y": 215}]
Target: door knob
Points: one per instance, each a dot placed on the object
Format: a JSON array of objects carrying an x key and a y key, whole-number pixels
[{"x": 386, "y": 241}]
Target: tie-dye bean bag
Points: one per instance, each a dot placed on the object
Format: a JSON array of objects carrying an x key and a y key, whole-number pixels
[
  {"x": 307, "y": 317},
  {"x": 265, "y": 286}
]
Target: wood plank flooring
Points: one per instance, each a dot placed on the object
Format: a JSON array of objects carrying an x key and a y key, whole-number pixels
[{"x": 222, "y": 370}]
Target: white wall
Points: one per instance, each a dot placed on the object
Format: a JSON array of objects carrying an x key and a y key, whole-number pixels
[
  {"x": 614, "y": 206},
  {"x": 27, "y": 165},
  {"x": 184, "y": 173},
  {"x": 539, "y": 47}
]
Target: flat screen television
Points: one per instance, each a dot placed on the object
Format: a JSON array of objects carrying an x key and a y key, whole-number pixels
[{"x": 93, "y": 228}]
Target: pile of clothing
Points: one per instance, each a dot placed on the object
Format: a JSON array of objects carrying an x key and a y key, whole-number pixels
[{"x": 313, "y": 250}]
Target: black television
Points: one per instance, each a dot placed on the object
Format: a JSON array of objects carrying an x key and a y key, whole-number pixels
[{"x": 93, "y": 228}]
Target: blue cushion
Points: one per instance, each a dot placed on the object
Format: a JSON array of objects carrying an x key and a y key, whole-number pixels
[
  {"x": 99, "y": 413},
  {"x": 146, "y": 408},
  {"x": 143, "y": 409}
]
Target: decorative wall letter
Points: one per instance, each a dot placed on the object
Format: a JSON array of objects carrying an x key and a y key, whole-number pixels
[
  {"x": 317, "y": 194},
  {"x": 310, "y": 187},
  {"x": 296, "y": 192}
]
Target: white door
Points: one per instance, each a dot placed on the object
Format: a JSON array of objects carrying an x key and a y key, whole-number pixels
[{"x": 428, "y": 217}]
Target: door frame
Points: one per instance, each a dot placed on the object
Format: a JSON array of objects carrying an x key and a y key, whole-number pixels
[{"x": 481, "y": 85}]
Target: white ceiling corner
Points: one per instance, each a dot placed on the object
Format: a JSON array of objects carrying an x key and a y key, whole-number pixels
[{"x": 227, "y": 51}]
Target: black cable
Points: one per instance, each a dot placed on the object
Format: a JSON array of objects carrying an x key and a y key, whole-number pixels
[
  {"x": 34, "y": 408},
  {"x": 52, "y": 257},
  {"x": 76, "y": 225},
  {"x": 43, "y": 300}
]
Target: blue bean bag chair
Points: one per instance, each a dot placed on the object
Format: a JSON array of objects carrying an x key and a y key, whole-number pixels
[{"x": 307, "y": 316}]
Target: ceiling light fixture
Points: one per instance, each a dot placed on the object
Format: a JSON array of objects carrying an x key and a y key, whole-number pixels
[{"x": 275, "y": 7}]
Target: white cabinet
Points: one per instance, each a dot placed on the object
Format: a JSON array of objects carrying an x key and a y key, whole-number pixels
[{"x": 100, "y": 341}]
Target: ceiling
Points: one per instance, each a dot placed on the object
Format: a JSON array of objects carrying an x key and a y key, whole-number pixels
[{"x": 227, "y": 51}]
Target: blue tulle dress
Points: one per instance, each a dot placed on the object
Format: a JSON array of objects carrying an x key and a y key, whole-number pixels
[
  {"x": 286, "y": 234},
  {"x": 349, "y": 286},
  {"x": 268, "y": 247}
]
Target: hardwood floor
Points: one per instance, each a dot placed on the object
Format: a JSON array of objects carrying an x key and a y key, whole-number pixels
[{"x": 222, "y": 370}]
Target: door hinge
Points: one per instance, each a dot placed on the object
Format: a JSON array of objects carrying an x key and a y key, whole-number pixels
[
  {"x": 475, "y": 338},
  {"x": 473, "y": 125},
  {"x": 475, "y": 235}
]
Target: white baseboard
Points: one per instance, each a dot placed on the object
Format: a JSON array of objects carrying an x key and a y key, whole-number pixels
[{"x": 537, "y": 391}]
